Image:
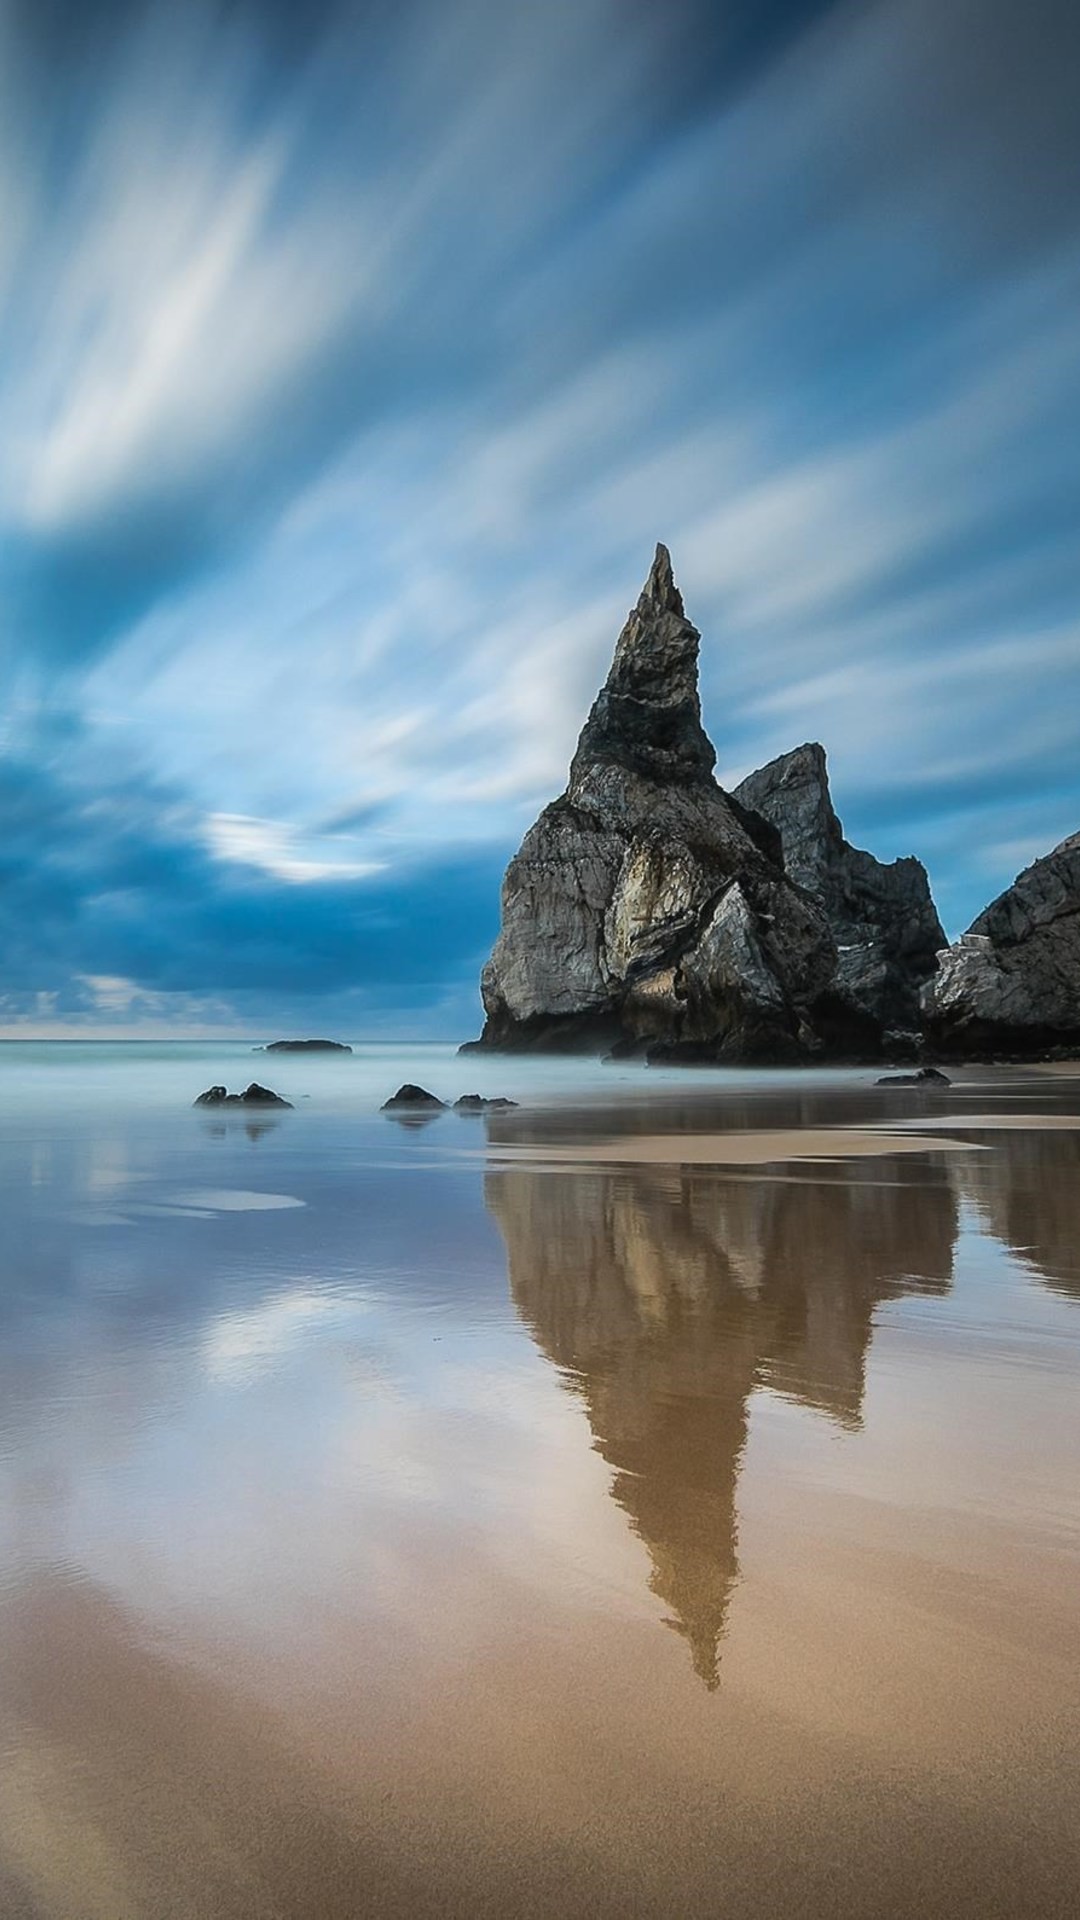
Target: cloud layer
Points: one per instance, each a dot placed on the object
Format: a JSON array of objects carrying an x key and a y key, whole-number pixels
[{"x": 351, "y": 365}]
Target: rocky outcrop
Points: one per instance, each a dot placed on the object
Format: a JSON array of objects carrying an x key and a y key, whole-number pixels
[
  {"x": 882, "y": 917},
  {"x": 1010, "y": 986},
  {"x": 413, "y": 1099},
  {"x": 648, "y": 910},
  {"x": 252, "y": 1096}
]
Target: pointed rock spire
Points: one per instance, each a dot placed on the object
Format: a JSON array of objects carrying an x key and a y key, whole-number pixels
[{"x": 647, "y": 716}]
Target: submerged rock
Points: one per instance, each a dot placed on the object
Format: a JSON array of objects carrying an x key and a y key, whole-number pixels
[
  {"x": 305, "y": 1046},
  {"x": 412, "y": 1099},
  {"x": 1010, "y": 986},
  {"x": 882, "y": 917},
  {"x": 648, "y": 911},
  {"x": 252, "y": 1096},
  {"x": 925, "y": 1077},
  {"x": 476, "y": 1103}
]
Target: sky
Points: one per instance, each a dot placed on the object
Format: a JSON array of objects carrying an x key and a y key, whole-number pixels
[{"x": 354, "y": 357}]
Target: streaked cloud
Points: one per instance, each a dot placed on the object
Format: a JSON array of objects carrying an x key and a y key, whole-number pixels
[{"x": 351, "y": 365}]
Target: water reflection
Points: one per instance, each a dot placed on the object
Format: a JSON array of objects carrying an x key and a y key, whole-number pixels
[
  {"x": 666, "y": 1297},
  {"x": 1027, "y": 1193}
]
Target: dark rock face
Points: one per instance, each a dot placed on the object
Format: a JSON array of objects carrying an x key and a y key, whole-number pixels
[
  {"x": 306, "y": 1046},
  {"x": 648, "y": 911},
  {"x": 882, "y": 918},
  {"x": 1010, "y": 986},
  {"x": 252, "y": 1096},
  {"x": 412, "y": 1099}
]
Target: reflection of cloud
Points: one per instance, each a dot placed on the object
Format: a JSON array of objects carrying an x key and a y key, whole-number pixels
[{"x": 245, "y": 1342}]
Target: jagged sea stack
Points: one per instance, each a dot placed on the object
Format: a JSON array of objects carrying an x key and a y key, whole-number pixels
[
  {"x": 882, "y": 917},
  {"x": 647, "y": 907},
  {"x": 1010, "y": 986}
]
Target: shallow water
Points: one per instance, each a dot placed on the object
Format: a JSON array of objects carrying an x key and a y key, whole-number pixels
[{"x": 434, "y": 1521}]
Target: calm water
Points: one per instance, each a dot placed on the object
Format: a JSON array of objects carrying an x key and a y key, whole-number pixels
[{"x": 409, "y": 1520}]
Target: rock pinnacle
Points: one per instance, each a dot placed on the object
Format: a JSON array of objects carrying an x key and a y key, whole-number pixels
[{"x": 647, "y": 716}]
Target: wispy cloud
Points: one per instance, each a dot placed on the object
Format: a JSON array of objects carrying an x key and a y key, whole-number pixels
[{"x": 350, "y": 366}]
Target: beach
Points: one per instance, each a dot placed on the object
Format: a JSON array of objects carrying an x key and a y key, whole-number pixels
[{"x": 661, "y": 1498}]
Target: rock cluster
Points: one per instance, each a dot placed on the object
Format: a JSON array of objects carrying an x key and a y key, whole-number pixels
[
  {"x": 252, "y": 1096},
  {"x": 1010, "y": 986},
  {"x": 413, "y": 1100},
  {"x": 649, "y": 910}
]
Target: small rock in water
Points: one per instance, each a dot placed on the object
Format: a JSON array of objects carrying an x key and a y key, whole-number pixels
[
  {"x": 304, "y": 1046},
  {"x": 926, "y": 1077},
  {"x": 252, "y": 1096},
  {"x": 410, "y": 1099},
  {"x": 476, "y": 1103}
]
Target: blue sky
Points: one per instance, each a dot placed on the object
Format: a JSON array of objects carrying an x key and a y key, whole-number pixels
[{"x": 352, "y": 360}]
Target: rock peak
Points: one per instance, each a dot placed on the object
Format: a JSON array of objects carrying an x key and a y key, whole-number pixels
[
  {"x": 647, "y": 715},
  {"x": 660, "y": 594}
]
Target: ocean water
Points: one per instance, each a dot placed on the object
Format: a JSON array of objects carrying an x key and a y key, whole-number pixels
[{"x": 664, "y": 1498}]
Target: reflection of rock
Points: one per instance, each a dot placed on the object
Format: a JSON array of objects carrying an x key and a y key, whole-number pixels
[
  {"x": 1027, "y": 1191},
  {"x": 1011, "y": 984},
  {"x": 666, "y": 1297}
]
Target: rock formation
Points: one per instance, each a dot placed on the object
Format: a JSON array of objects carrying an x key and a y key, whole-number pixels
[
  {"x": 1010, "y": 986},
  {"x": 882, "y": 918},
  {"x": 648, "y": 909}
]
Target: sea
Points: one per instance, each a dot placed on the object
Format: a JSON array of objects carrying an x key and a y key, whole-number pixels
[{"x": 660, "y": 1498}]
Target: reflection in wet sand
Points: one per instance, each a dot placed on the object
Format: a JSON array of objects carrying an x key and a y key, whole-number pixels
[
  {"x": 1028, "y": 1195},
  {"x": 316, "y": 1603},
  {"x": 665, "y": 1298}
]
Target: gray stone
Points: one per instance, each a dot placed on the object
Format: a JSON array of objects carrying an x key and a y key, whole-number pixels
[
  {"x": 413, "y": 1099},
  {"x": 882, "y": 917},
  {"x": 1010, "y": 986}
]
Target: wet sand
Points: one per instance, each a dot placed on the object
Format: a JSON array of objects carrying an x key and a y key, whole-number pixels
[{"x": 601, "y": 1526}]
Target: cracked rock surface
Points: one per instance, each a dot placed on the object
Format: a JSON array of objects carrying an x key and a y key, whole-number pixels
[{"x": 1011, "y": 984}]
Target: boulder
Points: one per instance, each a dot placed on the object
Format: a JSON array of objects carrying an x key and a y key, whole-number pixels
[
  {"x": 1010, "y": 986},
  {"x": 647, "y": 907},
  {"x": 882, "y": 916},
  {"x": 252, "y": 1096},
  {"x": 412, "y": 1099}
]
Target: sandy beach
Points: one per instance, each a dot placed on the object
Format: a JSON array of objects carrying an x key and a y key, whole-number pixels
[{"x": 661, "y": 1498}]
